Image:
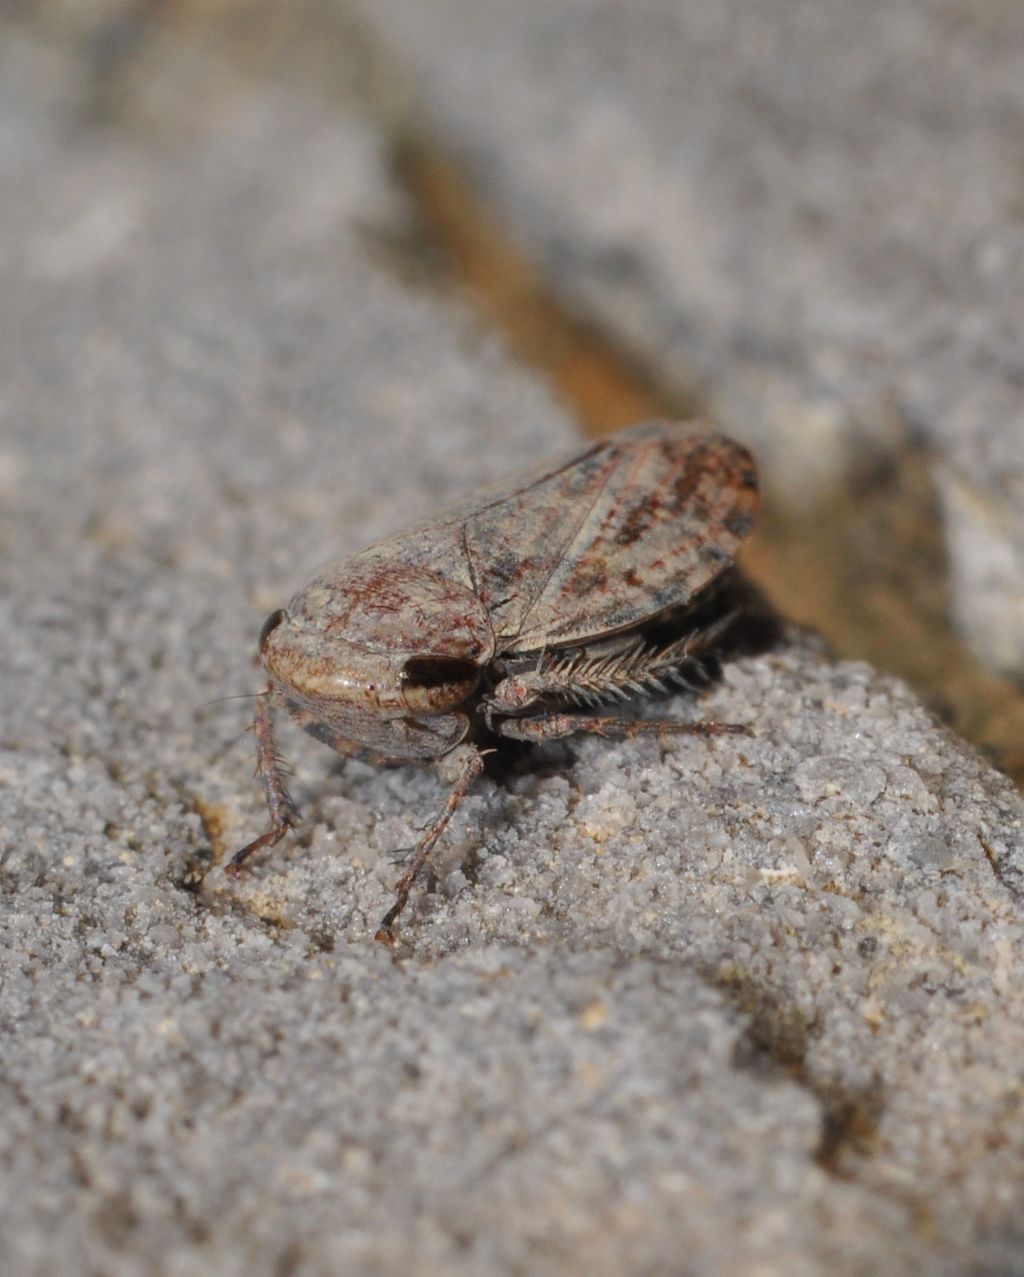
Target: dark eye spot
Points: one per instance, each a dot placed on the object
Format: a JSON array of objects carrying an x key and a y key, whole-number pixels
[
  {"x": 438, "y": 671},
  {"x": 269, "y": 625}
]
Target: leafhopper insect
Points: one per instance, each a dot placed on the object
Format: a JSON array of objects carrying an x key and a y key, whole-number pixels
[{"x": 513, "y": 616}]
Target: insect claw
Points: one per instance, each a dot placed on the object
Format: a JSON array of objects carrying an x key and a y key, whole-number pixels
[
  {"x": 385, "y": 933},
  {"x": 235, "y": 866}
]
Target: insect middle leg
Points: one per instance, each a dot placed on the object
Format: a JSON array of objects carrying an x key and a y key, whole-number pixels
[
  {"x": 461, "y": 767},
  {"x": 556, "y": 726},
  {"x": 284, "y": 815}
]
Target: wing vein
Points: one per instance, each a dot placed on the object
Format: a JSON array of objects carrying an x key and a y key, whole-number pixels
[{"x": 571, "y": 542}]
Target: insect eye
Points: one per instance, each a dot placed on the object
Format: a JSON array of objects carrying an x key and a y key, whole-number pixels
[
  {"x": 436, "y": 671},
  {"x": 269, "y": 625},
  {"x": 435, "y": 684}
]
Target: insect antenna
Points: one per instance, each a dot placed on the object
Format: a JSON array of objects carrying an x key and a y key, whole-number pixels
[{"x": 219, "y": 700}]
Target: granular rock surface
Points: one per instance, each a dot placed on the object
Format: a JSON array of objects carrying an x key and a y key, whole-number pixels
[{"x": 749, "y": 1005}]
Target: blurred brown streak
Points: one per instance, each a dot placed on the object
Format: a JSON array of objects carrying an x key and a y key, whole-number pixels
[
  {"x": 865, "y": 566},
  {"x": 599, "y": 385}
]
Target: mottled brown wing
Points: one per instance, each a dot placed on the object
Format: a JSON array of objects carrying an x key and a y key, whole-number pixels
[
  {"x": 596, "y": 543},
  {"x": 505, "y": 545},
  {"x": 673, "y": 505}
]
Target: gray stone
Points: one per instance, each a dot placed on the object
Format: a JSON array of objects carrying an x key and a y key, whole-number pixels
[
  {"x": 751, "y": 1005},
  {"x": 810, "y": 211}
]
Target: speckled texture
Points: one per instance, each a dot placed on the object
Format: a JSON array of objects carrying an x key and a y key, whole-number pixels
[
  {"x": 812, "y": 211},
  {"x": 743, "y": 1007}
]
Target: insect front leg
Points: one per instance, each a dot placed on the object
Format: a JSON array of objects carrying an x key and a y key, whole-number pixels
[
  {"x": 284, "y": 815},
  {"x": 556, "y": 726},
  {"x": 460, "y": 768}
]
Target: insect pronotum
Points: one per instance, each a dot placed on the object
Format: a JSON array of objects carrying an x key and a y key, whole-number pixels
[{"x": 512, "y": 616}]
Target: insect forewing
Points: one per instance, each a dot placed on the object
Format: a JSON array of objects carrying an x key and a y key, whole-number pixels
[
  {"x": 600, "y": 543},
  {"x": 675, "y": 507},
  {"x": 504, "y": 545}
]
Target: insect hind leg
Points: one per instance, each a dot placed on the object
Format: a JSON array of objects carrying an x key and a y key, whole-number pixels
[{"x": 548, "y": 727}]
